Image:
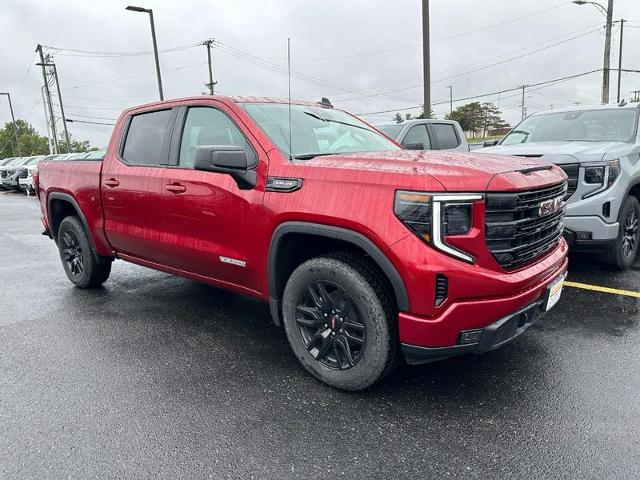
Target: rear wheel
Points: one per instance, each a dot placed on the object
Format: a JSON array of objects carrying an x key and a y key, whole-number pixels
[
  {"x": 340, "y": 321},
  {"x": 624, "y": 250},
  {"x": 82, "y": 266}
]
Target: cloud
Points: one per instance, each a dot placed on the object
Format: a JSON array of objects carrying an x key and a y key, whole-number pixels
[{"x": 330, "y": 40}]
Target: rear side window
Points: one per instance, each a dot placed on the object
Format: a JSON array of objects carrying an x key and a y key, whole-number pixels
[
  {"x": 207, "y": 126},
  {"x": 446, "y": 135},
  {"x": 417, "y": 137},
  {"x": 146, "y": 137}
]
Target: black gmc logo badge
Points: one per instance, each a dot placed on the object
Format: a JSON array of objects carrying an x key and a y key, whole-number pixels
[{"x": 549, "y": 207}]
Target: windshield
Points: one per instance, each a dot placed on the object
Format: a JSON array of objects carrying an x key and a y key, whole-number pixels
[
  {"x": 315, "y": 130},
  {"x": 604, "y": 125},
  {"x": 6, "y": 161},
  {"x": 390, "y": 131}
]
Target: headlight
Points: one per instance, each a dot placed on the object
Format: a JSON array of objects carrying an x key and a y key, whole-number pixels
[
  {"x": 603, "y": 175},
  {"x": 433, "y": 217}
]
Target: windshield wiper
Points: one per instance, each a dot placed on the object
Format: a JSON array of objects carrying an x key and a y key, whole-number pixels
[
  {"x": 309, "y": 156},
  {"x": 336, "y": 121}
]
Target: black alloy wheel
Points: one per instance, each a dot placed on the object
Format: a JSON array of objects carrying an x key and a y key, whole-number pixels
[
  {"x": 72, "y": 253},
  {"x": 630, "y": 234},
  {"x": 330, "y": 325}
]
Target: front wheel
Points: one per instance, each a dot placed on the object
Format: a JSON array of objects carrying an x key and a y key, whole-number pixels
[
  {"x": 340, "y": 321},
  {"x": 624, "y": 250},
  {"x": 82, "y": 266}
]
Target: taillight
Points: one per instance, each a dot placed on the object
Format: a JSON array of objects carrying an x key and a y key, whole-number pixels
[{"x": 34, "y": 174}]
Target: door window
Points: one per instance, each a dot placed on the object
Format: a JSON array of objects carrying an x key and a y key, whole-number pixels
[
  {"x": 146, "y": 137},
  {"x": 207, "y": 126},
  {"x": 446, "y": 135},
  {"x": 418, "y": 138}
]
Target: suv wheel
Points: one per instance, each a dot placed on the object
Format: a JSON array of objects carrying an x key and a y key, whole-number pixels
[
  {"x": 82, "y": 266},
  {"x": 340, "y": 321},
  {"x": 623, "y": 252}
]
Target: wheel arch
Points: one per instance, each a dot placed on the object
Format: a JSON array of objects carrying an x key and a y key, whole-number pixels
[
  {"x": 319, "y": 239},
  {"x": 61, "y": 205}
]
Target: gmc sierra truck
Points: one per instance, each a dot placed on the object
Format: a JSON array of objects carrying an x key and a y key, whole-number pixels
[
  {"x": 366, "y": 253},
  {"x": 599, "y": 150}
]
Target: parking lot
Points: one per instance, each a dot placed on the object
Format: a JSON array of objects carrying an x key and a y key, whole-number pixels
[{"x": 154, "y": 375}]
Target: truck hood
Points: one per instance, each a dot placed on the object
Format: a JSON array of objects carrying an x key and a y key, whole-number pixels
[
  {"x": 580, "y": 151},
  {"x": 454, "y": 171}
]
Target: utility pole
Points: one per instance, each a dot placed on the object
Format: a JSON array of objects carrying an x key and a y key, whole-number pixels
[
  {"x": 52, "y": 119},
  {"x": 450, "y": 87},
  {"x": 64, "y": 120},
  {"x": 426, "y": 59},
  {"x": 524, "y": 109},
  {"x": 622, "y": 20},
  {"x": 607, "y": 54},
  {"x": 211, "y": 84},
  {"x": 13, "y": 120},
  {"x": 46, "y": 121}
]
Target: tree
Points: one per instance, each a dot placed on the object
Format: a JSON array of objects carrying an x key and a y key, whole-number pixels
[
  {"x": 397, "y": 118},
  {"x": 77, "y": 146},
  {"x": 30, "y": 142},
  {"x": 492, "y": 118},
  {"x": 475, "y": 117}
]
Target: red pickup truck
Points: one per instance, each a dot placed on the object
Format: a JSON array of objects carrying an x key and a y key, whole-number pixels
[{"x": 365, "y": 252}]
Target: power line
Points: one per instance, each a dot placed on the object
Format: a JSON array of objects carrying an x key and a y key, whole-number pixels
[
  {"x": 133, "y": 76},
  {"x": 101, "y": 54},
  {"x": 472, "y": 97},
  {"x": 406, "y": 47},
  {"x": 73, "y": 120},
  {"x": 470, "y": 71}
]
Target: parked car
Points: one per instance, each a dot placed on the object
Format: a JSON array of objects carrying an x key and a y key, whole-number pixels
[
  {"x": 362, "y": 250},
  {"x": 599, "y": 150},
  {"x": 426, "y": 134},
  {"x": 8, "y": 176},
  {"x": 25, "y": 172}
]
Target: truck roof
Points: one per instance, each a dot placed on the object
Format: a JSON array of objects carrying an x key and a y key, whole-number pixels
[
  {"x": 228, "y": 99},
  {"x": 415, "y": 120},
  {"x": 606, "y": 106}
]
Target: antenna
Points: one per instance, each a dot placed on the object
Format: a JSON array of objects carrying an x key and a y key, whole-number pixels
[{"x": 289, "y": 75}]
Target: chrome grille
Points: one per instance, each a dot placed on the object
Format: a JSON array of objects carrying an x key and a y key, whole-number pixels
[{"x": 515, "y": 232}]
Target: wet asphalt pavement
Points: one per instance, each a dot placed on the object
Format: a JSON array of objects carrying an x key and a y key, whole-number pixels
[{"x": 159, "y": 377}]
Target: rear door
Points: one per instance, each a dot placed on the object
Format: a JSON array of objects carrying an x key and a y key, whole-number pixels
[
  {"x": 212, "y": 224},
  {"x": 133, "y": 187},
  {"x": 444, "y": 136}
]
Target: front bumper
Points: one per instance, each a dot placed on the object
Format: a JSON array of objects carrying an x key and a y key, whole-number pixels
[
  {"x": 600, "y": 230},
  {"x": 26, "y": 183},
  {"x": 10, "y": 183},
  {"x": 492, "y": 336}
]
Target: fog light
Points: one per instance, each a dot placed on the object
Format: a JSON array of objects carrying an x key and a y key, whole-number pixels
[
  {"x": 606, "y": 209},
  {"x": 583, "y": 235},
  {"x": 470, "y": 336}
]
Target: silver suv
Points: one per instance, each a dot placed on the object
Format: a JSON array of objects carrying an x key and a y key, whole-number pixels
[{"x": 599, "y": 150}]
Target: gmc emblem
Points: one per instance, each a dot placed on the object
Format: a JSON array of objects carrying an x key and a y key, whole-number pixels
[{"x": 549, "y": 207}]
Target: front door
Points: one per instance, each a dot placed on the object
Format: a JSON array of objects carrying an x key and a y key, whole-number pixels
[{"x": 211, "y": 221}]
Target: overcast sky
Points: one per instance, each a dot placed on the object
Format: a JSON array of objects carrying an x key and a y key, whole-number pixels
[{"x": 364, "y": 55}]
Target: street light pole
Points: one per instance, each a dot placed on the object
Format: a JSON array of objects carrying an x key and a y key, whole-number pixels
[
  {"x": 622, "y": 20},
  {"x": 607, "y": 12},
  {"x": 450, "y": 87},
  {"x": 13, "y": 120},
  {"x": 426, "y": 60},
  {"x": 155, "y": 45}
]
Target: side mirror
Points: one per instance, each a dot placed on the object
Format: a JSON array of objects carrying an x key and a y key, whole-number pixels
[
  {"x": 229, "y": 159},
  {"x": 414, "y": 146},
  {"x": 490, "y": 143}
]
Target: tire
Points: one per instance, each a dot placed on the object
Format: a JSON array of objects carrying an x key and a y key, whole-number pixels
[
  {"x": 82, "y": 266},
  {"x": 360, "y": 312},
  {"x": 623, "y": 252}
]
